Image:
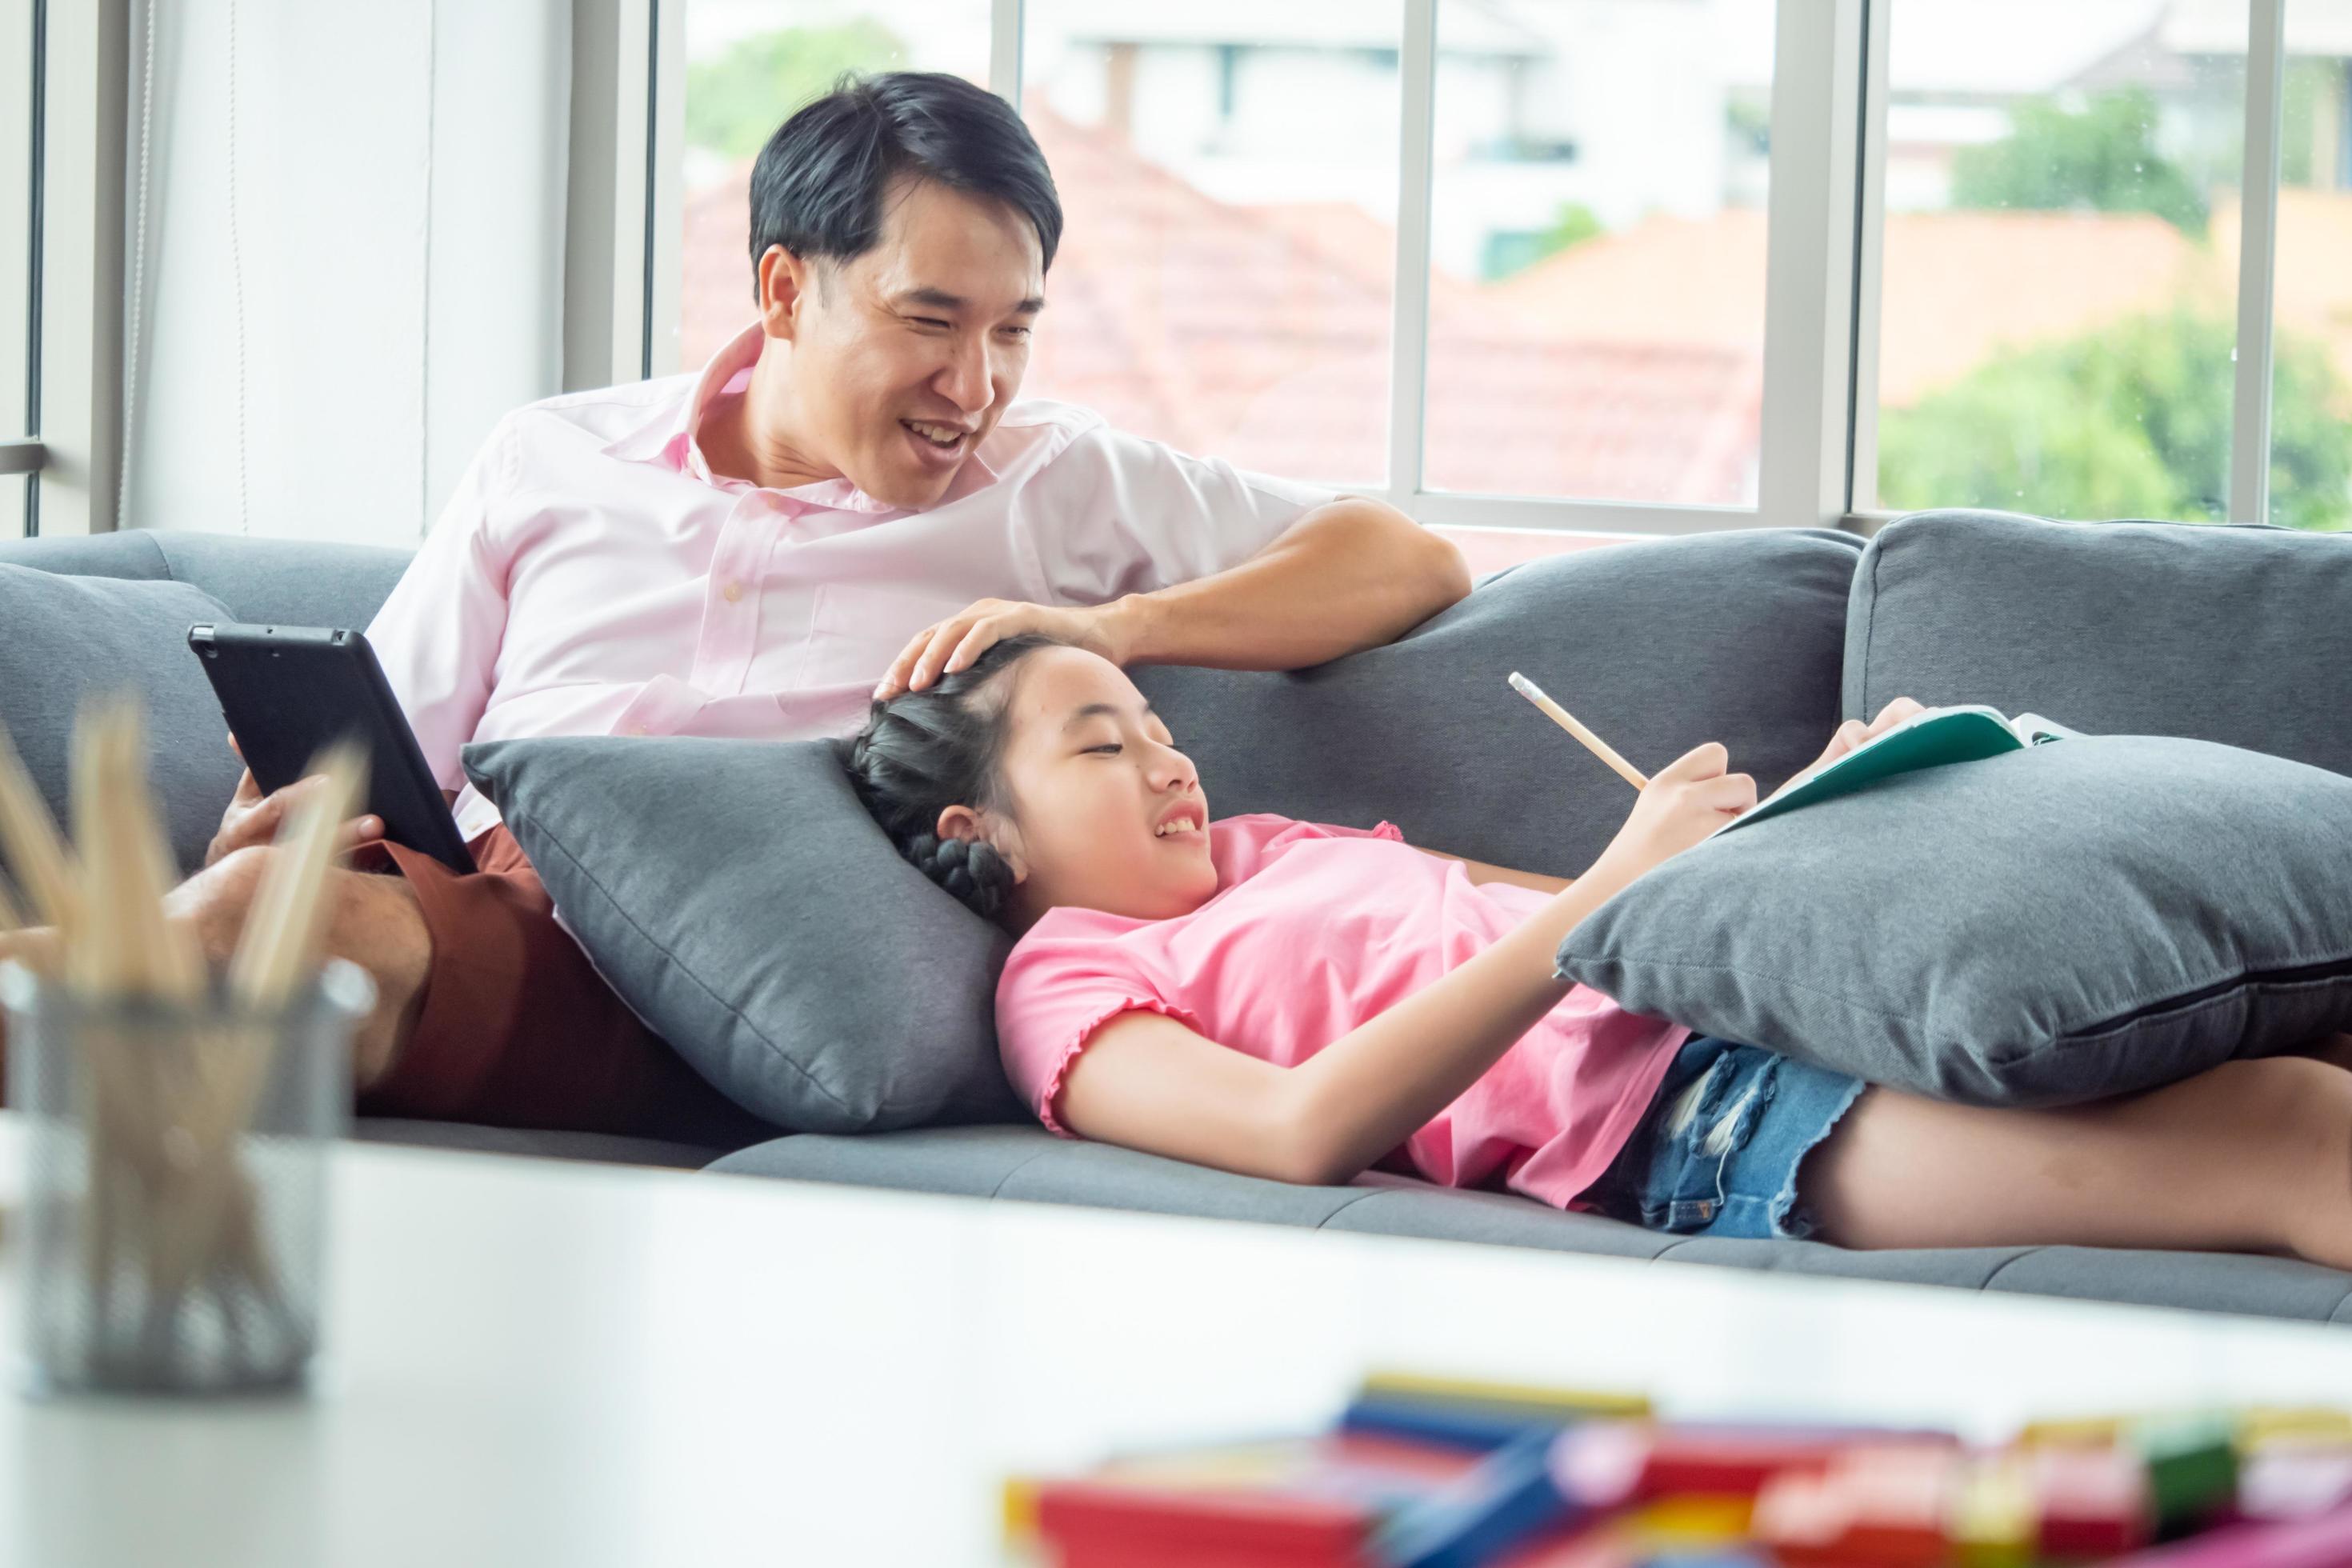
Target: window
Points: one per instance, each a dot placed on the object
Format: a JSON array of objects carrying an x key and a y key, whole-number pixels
[
  {"x": 2057, "y": 311},
  {"x": 1608, "y": 208},
  {"x": 1230, "y": 179},
  {"x": 19, "y": 305},
  {"x": 748, "y": 64},
  {"x": 1597, "y": 240},
  {"x": 2311, "y": 299}
]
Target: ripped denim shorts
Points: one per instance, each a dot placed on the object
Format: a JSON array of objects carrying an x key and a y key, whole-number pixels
[{"x": 1718, "y": 1150}]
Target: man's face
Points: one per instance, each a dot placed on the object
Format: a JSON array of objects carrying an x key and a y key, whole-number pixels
[{"x": 905, "y": 358}]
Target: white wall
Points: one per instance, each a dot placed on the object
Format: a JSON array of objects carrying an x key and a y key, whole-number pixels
[{"x": 399, "y": 234}]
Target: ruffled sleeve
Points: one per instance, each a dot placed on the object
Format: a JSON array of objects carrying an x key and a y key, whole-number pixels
[{"x": 1056, "y": 992}]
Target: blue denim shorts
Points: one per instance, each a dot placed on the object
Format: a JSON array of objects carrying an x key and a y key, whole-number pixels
[{"x": 1717, "y": 1152}]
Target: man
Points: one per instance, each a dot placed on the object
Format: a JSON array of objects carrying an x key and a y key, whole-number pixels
[{"x": 846, "y": 502}]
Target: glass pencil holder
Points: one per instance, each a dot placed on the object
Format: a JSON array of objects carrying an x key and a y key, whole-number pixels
[{"x": 174, "y": 1232}]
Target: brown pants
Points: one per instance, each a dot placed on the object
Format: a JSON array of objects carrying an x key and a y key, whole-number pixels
[{"x": 518, "y": 1029}]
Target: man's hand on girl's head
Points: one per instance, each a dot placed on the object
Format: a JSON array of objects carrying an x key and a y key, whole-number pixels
[{"x": 946, "y": 646}]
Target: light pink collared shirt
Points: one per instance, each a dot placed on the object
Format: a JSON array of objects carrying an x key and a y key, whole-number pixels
[{"x": 591, "y": 576}]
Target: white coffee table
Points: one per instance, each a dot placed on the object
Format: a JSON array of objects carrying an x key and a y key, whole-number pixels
[{"x": 567, "y": 1364}]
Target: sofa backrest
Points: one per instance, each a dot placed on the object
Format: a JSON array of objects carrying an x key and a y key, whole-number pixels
[
  {"x": 2236, "y": 634},
  {"x": 1656, "y": 646},
  {"x": 288, "y": 582},
  {"x": 87, "y": 617}
]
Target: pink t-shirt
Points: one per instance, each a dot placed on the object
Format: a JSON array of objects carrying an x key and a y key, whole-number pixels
[{"x": 1312, "y": 931}]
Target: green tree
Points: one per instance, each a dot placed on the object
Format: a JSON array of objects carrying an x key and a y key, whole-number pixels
[
  {"x": 1571, "y": 225},
  {"x": 1515, "y": 250},
  {"x": 2102, "y": 157},
  {"x": 2130, "y": 421},
  {"x": 735, "y": 100}
]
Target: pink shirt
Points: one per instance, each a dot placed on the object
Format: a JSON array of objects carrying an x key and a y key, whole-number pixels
[
  {"x": 1313, "y": 930},
  {"x": 592, "y": 576}
]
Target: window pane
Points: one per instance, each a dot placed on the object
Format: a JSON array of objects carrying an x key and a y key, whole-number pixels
[
  {"x": 1596, "y": 248},
  {"x": 748, "y": 64},
  {"x": 1229, "y": 174},
  {"x": 2310, "y": 379},
  {"x": 2058, "y": 298}
]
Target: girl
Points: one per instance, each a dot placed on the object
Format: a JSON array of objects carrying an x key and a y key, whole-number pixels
[{"x": 1284, "y": 999}]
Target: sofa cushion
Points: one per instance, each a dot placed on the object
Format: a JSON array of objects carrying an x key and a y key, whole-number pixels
[
  {"x": 2080, "y": 918},
  {"x": 740, "y": 899},
  {"x": 2242, "y": 634},
  {"x": 1031, "y": 1164},
  {"x": 1656, "y": 646},
  {"x": 71, "y": 638}
]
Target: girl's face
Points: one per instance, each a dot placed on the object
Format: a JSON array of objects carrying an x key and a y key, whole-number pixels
[{"x": 1107, "y": 814}]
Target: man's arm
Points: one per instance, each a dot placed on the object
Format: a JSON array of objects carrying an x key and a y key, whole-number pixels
[{"x": 1352, "y": 573}]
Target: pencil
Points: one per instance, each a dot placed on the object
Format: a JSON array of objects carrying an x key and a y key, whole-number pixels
[{"x": 1566, "y": 720}]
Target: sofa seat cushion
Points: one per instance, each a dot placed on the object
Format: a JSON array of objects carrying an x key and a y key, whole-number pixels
[
  {"x": 1030, "y": 1164},
  {"x": 538, "y": 1144}
]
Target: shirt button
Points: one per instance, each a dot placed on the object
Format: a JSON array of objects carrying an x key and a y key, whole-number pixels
[{"x": 734, "y": 590}]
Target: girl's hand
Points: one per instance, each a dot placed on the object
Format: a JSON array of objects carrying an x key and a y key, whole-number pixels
[
  {"x": 1687, "y": 800},
  {"x": 1854, "y": 732}
]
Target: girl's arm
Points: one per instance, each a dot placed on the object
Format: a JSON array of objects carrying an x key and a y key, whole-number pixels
[{"x": 1149, "y": 1082}]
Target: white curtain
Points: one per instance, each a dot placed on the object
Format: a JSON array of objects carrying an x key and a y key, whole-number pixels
[{"x": 324, "y": 365}]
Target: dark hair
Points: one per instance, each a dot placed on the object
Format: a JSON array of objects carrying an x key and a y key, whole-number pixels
[
  {"x": 922, "y": 752},
  {"x": 817, "y": 188}
]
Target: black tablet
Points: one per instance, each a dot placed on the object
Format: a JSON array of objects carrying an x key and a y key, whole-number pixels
[{"x": 288, "y": 692}]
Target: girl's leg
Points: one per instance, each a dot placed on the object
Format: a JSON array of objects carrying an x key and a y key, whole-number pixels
[
  {"x": 2337, "y": 1049},
  {"x": 2251, "y": 1156}
]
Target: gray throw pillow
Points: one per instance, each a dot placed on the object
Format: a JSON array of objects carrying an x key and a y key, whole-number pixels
[
  {"x": 741, "y": 900},
  {"x": 2084, "y": 919},
  {"x": 69, "y": 638}
]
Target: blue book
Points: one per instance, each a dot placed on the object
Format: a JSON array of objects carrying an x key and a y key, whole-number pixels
[{"x": 1930, "y": 739}]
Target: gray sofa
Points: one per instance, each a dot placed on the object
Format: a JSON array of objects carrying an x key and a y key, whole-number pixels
[{"x": 2242, "y": 636}]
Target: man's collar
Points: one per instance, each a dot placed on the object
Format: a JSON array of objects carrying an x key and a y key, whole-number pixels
[
  {"x": 665, "y": 436},
  {"x": 668, "y": 437}
]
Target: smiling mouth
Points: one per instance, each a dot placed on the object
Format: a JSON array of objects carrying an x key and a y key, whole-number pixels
[
  {"x": 942, "y": 438},
  {"x": 1176, "y": 828}
]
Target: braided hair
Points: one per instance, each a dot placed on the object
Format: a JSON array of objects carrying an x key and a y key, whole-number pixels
[{"x": 922, "y": 752}]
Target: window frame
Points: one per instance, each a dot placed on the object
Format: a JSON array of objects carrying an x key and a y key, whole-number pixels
[
  {"x": 1817, "y": 449},
  {"x": 74, "y": 448}
]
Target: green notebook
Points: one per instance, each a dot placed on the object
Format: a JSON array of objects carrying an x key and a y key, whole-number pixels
[{"x": 1928, "y": 740}]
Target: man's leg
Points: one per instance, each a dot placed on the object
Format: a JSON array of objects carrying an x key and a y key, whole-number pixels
[
  {"x": 373, "y": 922},
  {"x": 2251, "y": 1156}
]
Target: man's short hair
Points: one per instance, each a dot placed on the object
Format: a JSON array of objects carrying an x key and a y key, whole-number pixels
[{"x": 818, "y": 187}]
